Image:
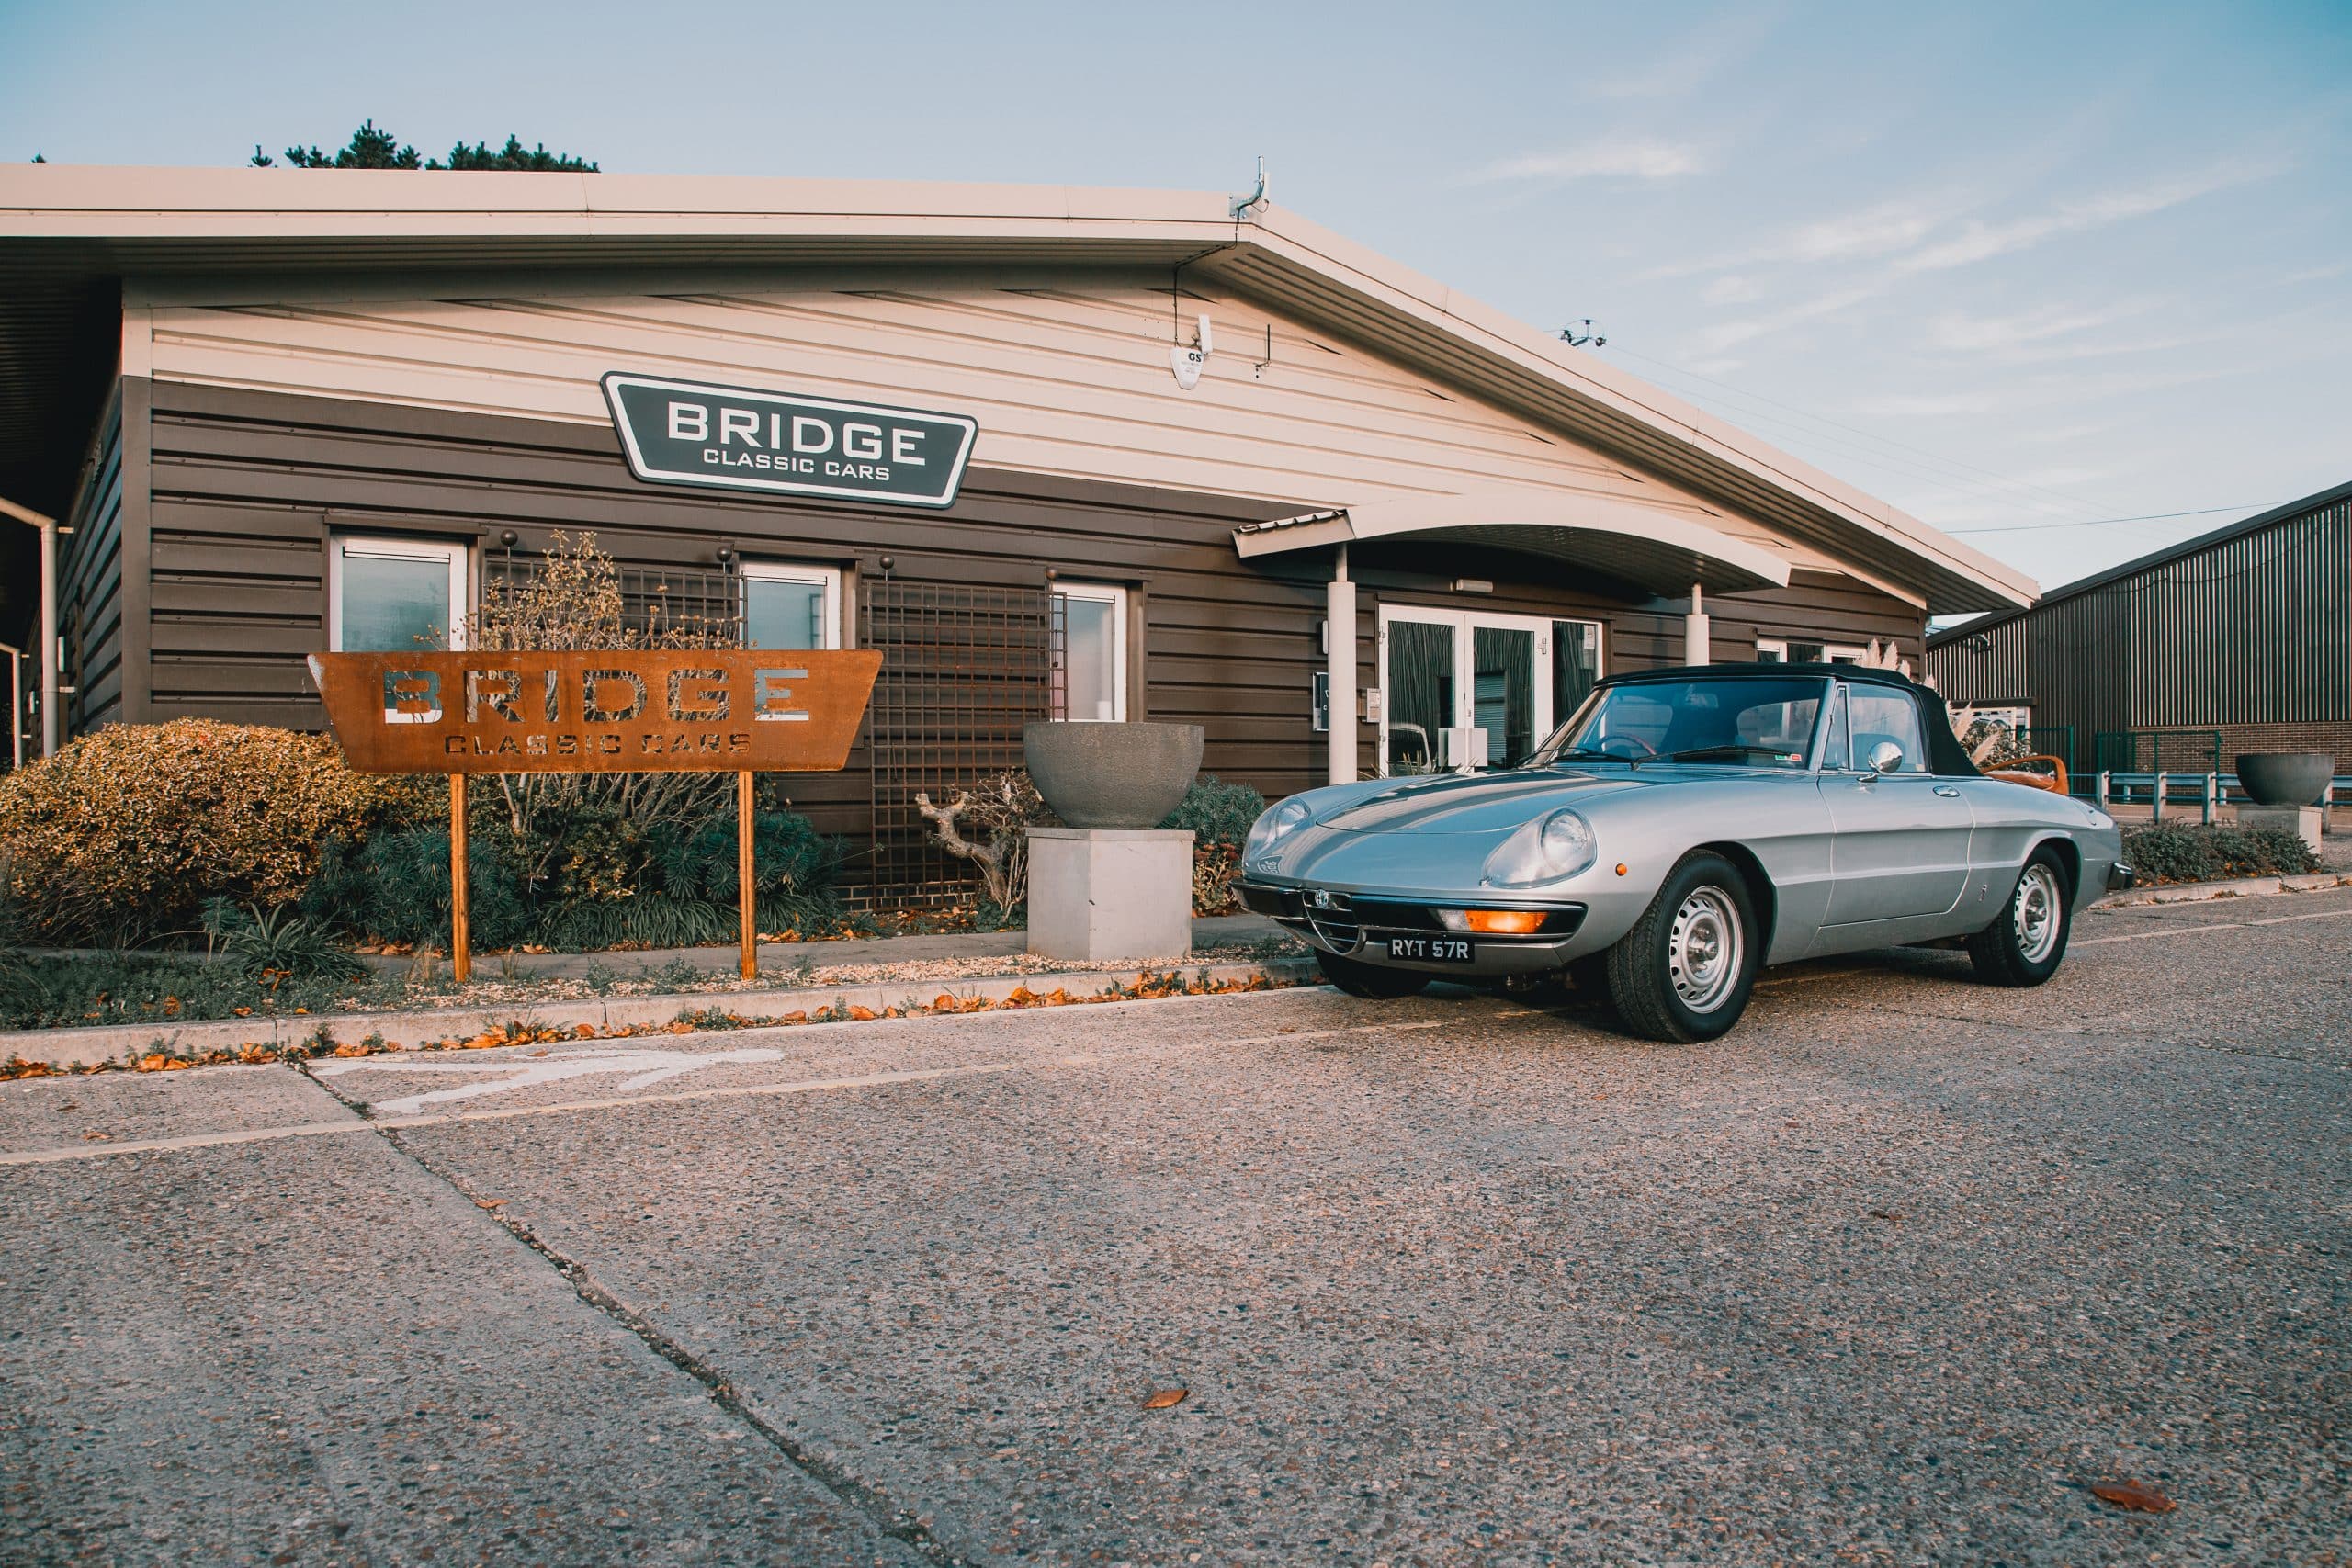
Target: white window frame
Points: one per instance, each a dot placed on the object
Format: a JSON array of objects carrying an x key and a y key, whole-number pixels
[
  {"x": 1465, "y": 624},
  {"x": 804, "y": 571},
  {"x": 384, "y": 546},
  {"x": 1831, "y": 653},
  {"x": 1109, "y": 593}
]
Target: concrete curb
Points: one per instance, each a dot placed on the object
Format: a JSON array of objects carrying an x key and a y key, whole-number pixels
[
  {"x": 121, "y": 1043},
  {"x": 2242, "y": 887}
]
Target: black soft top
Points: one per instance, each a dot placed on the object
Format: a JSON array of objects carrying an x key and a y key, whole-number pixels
[{"x": 1946, "y": 755}]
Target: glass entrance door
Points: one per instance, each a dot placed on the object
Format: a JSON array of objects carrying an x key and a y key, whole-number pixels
[
  {"x": 1417, "y": 676},
  {"x": 1461, "y": 688}
]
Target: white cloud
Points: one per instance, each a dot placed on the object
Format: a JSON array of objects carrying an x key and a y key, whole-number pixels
[
  {"x": 1980, "y": 241},
  {"x": 1880, "y": 229},
  {"x": 1702, "y": 55},
  {"x": 1609, "y": 157},
  {"x": 1731, "y": 289},
  {"x": 1728, "y": 335}
]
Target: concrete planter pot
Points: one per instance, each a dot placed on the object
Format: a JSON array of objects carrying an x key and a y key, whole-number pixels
[
  {"x": 1112, "y": 775},
  {"x": 2285, "y": 778}
]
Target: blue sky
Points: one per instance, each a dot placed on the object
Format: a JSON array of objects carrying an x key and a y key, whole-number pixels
[{"x": 2013, "y": 267}]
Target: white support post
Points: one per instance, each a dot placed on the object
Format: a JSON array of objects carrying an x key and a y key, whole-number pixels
[
  {"x": 2157, "y": 798},
  {"x": 1694, "y": 630},
  {"x": 2212, "y": 797},
  {"x": 2105, "y": 785},
  {"x": 1339, "y": 655},
  {"x": 48, "y": 526}
]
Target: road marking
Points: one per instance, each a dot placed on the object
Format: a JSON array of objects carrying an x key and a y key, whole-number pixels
[
  {"x": 2213, "y": 926},
  {"x": 677, "y": 1097}
]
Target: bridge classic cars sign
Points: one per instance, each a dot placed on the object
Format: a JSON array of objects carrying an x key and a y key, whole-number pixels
[
  {"x": 702, "y": 710},
  {"x": 691, "y": 433}
]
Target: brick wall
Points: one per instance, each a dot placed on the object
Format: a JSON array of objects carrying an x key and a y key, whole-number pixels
[{"x": 2333, "y": 736}]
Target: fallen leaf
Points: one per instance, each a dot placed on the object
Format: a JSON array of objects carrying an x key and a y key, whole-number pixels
[
  {"x": 2131, "y": 1495},
  {"x": 98, "y": 1137},
  {"x": 1167, "y": 1397},
  {"x": 490, "y": 1202}
]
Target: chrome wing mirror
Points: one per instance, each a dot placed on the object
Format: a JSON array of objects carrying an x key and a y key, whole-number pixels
[{"x": 1887, "y": 757}]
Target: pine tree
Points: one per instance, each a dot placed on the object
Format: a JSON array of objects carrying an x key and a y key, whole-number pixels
[{"x": 373, "y": 149}]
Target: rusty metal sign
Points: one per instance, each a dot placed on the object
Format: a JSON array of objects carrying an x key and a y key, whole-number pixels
[{"x": 699, "y": 710}]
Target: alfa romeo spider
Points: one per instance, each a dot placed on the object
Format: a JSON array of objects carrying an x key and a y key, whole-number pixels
[{"x": 1684, "y": 828}]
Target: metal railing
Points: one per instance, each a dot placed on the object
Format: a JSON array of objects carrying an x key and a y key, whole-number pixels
[
  {"x": 2156, "y": 750},
  {"x": 2207, "y": 791}
]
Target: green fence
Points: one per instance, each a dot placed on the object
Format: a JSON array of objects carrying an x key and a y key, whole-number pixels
[{"x": 2156, "y": 751}]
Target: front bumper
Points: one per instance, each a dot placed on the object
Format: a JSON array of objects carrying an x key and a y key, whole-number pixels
[
  {"x": 1359, "y": 926},
  {"x": 2121, "y": 876}
]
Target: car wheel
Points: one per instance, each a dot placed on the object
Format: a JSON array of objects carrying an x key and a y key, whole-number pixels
[
  {"x": 2023, "y": 947},
  {"x": 1358, "y": 979},
  {"x": 1685, "y": 970}
]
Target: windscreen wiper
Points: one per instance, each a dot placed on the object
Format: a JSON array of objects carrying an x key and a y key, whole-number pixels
[{"x": 1696, "y": 752}]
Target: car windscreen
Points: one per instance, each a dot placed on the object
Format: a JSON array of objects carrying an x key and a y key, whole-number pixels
[{"x": 1745, "y": 721}]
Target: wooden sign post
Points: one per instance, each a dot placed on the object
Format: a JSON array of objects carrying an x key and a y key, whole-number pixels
[{"x": 672, "y": 710}]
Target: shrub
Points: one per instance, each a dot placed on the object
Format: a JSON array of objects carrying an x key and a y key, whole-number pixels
[
  {"x": 2179, "y": 853},
  {"x": 1216, "y": 813},
  {"x": 122, "y": 836},
  {"x": 267, "y": 943},
  {"x": 987, "y": 825}
]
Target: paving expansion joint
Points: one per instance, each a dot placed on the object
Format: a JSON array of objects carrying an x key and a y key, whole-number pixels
[{"x": 891, "y": 1521}]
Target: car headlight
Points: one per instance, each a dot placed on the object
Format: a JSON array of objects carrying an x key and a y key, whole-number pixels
[
  {"x": 1558, "y": 844},
  {"x": 1273, "y": 824}
]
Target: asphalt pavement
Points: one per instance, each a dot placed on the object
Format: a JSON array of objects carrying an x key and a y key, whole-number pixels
[{"x": 1892, "y": 1274}]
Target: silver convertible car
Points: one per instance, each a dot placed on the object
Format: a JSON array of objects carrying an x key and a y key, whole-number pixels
[{"x": 1684, "y": 828}]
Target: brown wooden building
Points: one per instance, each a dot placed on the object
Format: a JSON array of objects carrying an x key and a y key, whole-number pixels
[{"x": 1228, "y": 467}]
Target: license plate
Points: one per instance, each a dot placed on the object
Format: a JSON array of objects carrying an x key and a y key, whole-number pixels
[{"x": 1433, "y": 948}]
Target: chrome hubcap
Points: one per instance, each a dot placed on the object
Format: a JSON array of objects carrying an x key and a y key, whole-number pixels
[
  {"x": 1704, "y": 949},
  {"x": 2035, "y": 913}
]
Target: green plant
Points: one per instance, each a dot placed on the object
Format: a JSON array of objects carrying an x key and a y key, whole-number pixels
[
  {"x": 1216, "y": 813},
  {"x": 2179, "y": 852},
  {"x": 277, "y": 943},
  {"x": 119, "y": 837},
  {"x": 167, "y": 987}
]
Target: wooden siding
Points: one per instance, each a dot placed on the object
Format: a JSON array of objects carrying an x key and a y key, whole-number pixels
[
  {"x": 1067, "y": 375},
  {"x": 2254, "y": 629},
  {"x": 90, "y": 607},
  {"x": 247, "y": 486}
]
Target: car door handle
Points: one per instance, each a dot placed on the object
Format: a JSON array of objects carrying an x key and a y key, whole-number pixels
[{"x": 1948, "y": 791}]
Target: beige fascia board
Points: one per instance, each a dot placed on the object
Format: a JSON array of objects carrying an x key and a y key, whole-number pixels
[{"x": 94, "y": 200}]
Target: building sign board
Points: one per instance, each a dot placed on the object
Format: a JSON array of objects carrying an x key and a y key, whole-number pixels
[
  {"x": 691, "y": 433},
  {"x": 672, "y": 710}
]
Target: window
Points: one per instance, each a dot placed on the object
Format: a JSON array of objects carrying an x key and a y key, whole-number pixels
[
  {"x": 394, "y": 595},
  {"x": 787, "y": 605},
  {"x": 1878, "y": 716},
  {"x": 1090, "y": 652},
  {"x": 1575, "y": 664},
  {"x": 1777, "y": 651}
]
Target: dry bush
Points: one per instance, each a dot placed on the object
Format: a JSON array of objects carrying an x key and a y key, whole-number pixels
[
  {"x": 120, "y": 837},
  {"x": 572, "y": 601},
  {"x": 987, "y": 825}
]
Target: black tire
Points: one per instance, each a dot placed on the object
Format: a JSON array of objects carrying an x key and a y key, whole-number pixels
[
  {"x": 1704, "y": 902},
  {"x": 2025, "y": 946},
  {"x": 1375, "y": 981}
]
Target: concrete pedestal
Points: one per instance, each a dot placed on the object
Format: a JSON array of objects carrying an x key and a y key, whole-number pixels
[
  {"x": 1097, "y": 893},
  {"x": 2305, "y": 822}
]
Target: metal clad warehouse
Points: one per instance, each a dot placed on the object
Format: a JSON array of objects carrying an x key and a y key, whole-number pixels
[
  {"x": 1225, "y": 466},
  {"x": 2240, "y": 640}
]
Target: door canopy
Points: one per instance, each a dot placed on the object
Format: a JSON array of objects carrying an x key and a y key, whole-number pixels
[{"x": 1662, "y": 551}]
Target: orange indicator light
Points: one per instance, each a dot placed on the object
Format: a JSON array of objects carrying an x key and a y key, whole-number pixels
[
  {"x": 1621, "y": 868},
  {"x": 1504, "y": 922}
]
